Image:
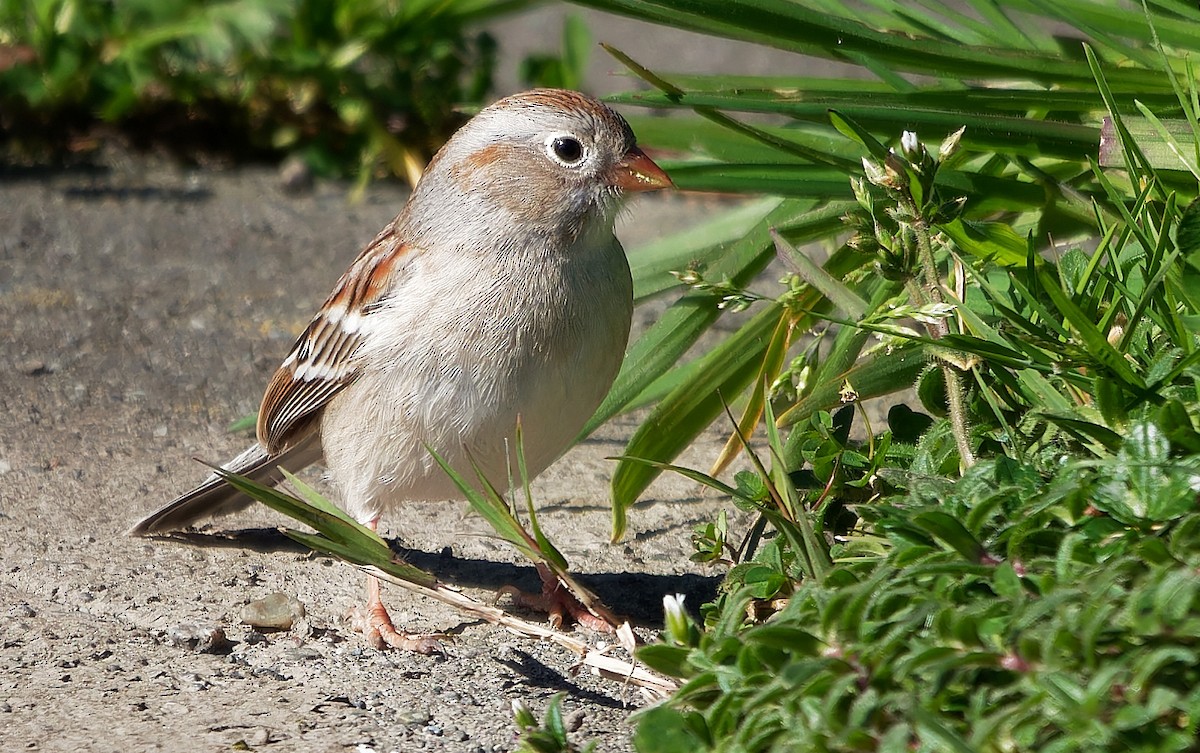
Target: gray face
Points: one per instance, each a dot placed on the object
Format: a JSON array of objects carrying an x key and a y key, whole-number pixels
[{"x": 542, "y": 161}]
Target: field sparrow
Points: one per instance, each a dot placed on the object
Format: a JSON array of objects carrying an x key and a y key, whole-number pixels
[{"x": 498, "y": 293}]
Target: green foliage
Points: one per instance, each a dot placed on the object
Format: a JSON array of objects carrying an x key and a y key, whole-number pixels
[
  {"x": 337, "y": 533},
  {"x": 1041, "y": 113},
  {"x": 564, "y": 71},
  {"x": 349, "y": 85},
  {"x": 551, "y": 735},
  {"x": 489, "y": 503},
  {"x": 1009, "y": 613},
  {"x": 1014, "y": 567}
]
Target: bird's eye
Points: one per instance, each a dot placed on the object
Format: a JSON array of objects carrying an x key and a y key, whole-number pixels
[{"x": 566, "y": 150}]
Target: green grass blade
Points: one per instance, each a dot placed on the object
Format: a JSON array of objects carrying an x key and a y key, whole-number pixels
[
  {"x": 812, "y": 546},
  {"x": 1169, "y": 147},
  {"x": 697, "y": 476},
  {"x": 337, "y": 533},
  {"x": 772, "y": 365},
  {"x": 686, "y": 412},
  {"x": 653, "y": 263},
  {"x": 1093, "y": 339},
  {"x": 490, "y": 506},
  {"x": 1135, "y": 159},
  {"x": 851, "y": 130},
  {"x": 328, "y": 519},
  {"x": 838, "y": 293},
  {"x": 795, "y": 181},
  {"x": 799, "y": 27},
  {"x": 872, "y": 376},
  {"x": 317, "y": 500},
  {"x": 994, "y": 242},
  {"x": 355, "y": 556},
  {"x": 544, "y": 545},
  {"x": 660, "y": 347},
  {"x": 245, "y": 423}
]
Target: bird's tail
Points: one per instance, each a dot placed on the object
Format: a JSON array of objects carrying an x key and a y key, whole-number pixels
[{"x": 214, "y": 497}]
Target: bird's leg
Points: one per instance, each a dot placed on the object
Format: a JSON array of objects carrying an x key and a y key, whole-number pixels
[
  {"x": 557, "y": 602},
  {"x": 376, "y": 625}
]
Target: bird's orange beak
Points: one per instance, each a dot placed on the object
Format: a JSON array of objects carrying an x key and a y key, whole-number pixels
[{"x": 637, "y": 172}]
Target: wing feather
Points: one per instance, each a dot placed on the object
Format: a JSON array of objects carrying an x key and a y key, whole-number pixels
[{"x": 322, "y": 362}]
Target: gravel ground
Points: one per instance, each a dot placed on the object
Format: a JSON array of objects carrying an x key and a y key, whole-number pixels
[{"x": 142, "y": 308}]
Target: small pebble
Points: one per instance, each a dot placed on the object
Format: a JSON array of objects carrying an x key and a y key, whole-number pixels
[
  {"x": 413, "y": 717},
  {"x": 259, "y": 736},
  {"x": 574, "y": 720},
  {"x": 203, "y": 639},
  {"x": 277, "y": 611},
  {"x": 295, "y": 176}
]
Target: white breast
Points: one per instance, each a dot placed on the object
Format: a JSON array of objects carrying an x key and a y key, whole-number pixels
[{"x": 465, "y": 348}]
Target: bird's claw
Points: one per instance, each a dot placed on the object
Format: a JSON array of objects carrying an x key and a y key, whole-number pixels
[
  {"x": 376, "y": 626},
  {"x": 559, "y": 604}
]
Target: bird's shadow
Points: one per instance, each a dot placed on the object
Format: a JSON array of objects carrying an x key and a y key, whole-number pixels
[{"x": 637, "y": 596}]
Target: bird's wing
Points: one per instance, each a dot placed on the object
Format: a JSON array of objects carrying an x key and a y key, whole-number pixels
[{"x": 322, "y": 362}]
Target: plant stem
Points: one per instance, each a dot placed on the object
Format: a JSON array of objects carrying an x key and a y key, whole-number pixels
[
  {"x": 958, "y": 415},
  {"x": 933, "y": 294},
  {"x": 933, "y": 283}
]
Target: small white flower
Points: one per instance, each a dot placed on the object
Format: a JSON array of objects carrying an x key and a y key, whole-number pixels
[{"x": 909, "y": 143}]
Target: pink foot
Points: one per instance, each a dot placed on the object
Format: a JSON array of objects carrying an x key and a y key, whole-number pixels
[
  {"x": 375, "y": 623},
  {"x": 558, "y": 603},
  {"x": 376, "y": 626}
]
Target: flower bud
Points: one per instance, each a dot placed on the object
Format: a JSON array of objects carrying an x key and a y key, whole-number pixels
[
  {"x": 522, "y": 715},
  {"x": 875, "y": 172},
  {"x": 950, "y": 146},
  {"x": 677, "y": 624}
]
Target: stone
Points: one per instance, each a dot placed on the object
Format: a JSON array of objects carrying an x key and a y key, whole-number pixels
[{"x": 277, "y": 611}]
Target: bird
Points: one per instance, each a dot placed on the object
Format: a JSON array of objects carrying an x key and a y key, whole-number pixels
[{"x": 498, "y": 296}]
